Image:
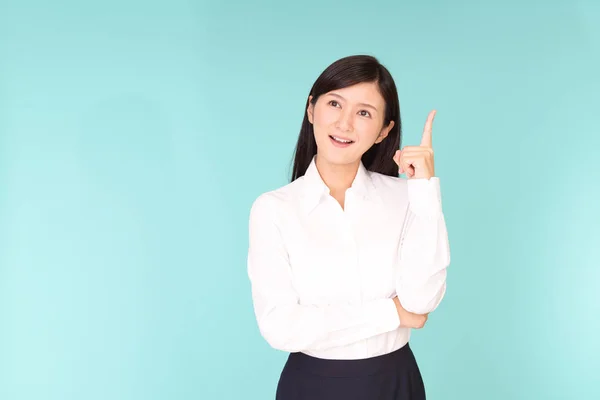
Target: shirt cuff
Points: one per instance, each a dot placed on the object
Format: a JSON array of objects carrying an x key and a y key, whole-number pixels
[{"x": 424, "y": 197}]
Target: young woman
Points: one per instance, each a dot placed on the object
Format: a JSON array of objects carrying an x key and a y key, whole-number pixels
[{"x": 349, "y": 257}]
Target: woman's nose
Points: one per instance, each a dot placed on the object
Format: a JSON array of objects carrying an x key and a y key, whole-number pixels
[{"x": 344, "y": 123}]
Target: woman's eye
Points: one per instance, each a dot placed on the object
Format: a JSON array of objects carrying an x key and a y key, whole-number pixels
[
  {"x": 333, "y": 103},
  {"x": 365, "y": 113}
]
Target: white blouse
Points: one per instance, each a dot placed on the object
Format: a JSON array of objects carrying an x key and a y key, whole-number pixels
[{"x": 323, "y": 278}]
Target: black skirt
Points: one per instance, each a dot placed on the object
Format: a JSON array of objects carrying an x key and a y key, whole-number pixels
[{"x": 393, "y": 376}]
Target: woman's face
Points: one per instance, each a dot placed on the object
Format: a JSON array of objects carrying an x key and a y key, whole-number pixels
[{"x": 347, "y": 122}]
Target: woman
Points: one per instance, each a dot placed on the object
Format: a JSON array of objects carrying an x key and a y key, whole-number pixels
[{"x": 348, "y": 257}]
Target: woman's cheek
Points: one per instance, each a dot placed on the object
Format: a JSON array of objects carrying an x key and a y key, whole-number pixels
[{"x": 366, "y": 130}]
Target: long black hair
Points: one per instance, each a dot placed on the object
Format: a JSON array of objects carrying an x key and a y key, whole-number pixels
[{"x": 346, "y": 72}]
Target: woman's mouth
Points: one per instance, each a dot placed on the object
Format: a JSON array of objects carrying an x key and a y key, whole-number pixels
[{"x": 340, "y": 142}]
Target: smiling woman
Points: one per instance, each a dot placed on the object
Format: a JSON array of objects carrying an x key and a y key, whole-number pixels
[
  {"x": 348, "y": 257},
  {"x": 344, "y": 118}
]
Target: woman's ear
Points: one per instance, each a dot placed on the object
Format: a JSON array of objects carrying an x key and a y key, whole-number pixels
[
  {"x": 310, "y": 109},
  {"x": 384, "y": 132}
]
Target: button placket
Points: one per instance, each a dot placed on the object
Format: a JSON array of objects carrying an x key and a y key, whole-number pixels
[{"x": 350, "y": 236}]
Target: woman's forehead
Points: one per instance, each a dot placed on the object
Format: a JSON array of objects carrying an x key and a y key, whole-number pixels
[{"x": 360, "y": 93}]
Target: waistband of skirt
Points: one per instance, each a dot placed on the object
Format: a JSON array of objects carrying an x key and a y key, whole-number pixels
[{"x": 403, "y": 358}]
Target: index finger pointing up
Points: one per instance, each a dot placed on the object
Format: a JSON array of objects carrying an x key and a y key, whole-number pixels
[{"x": 426, "y": 139}]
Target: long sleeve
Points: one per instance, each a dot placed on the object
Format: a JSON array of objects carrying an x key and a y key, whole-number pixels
[
  {"x": 283, "y": 322},
  {"x": 424, "y": 251}
]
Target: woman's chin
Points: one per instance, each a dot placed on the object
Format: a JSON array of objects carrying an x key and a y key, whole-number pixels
[{"x": 337, "y": 157}]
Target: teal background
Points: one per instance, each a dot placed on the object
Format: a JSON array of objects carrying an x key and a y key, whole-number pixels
[{"x": 134, "y": 136}]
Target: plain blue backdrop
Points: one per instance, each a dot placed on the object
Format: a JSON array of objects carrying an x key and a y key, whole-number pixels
[{"x": 134, "y": 136}]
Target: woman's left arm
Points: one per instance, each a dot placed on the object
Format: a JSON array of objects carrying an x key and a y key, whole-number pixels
[{"x": 424, "y": 251}]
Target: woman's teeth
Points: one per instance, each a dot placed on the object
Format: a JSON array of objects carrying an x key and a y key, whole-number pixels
[{"x": 340, "y": 140}]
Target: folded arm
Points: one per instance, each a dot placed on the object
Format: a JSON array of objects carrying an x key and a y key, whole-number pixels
[{"x": 283, "y": 322}]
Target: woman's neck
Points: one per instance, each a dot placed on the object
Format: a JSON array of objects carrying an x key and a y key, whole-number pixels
[{"x": 337, "y": 177}]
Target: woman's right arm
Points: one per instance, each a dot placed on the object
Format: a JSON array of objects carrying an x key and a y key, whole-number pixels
[{"x": 283, "y": 322}]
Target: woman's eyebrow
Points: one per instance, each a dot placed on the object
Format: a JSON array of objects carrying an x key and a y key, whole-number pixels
[{"x": 361, "y": 104}]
